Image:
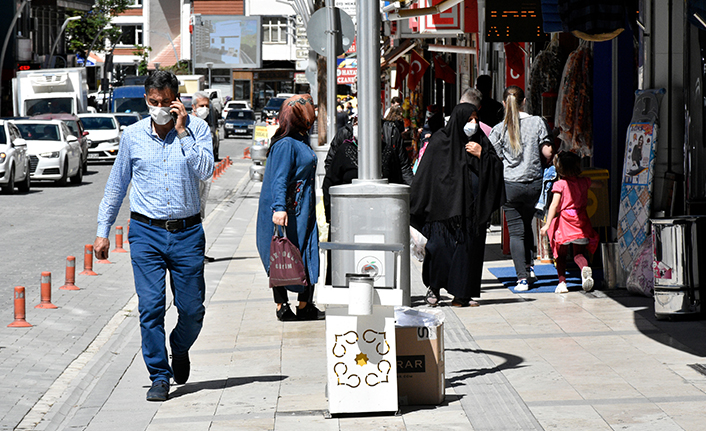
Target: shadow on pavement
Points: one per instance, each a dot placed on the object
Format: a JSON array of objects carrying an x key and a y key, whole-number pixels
[
  {"x": 511, "y": 361},
  {"x": 190, "y": 388}
]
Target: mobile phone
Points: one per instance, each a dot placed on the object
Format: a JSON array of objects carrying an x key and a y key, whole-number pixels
[{"x": 174, "y": 114}]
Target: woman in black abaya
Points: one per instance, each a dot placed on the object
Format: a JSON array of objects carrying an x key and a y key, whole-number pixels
[{"x": 458, "y": 184}]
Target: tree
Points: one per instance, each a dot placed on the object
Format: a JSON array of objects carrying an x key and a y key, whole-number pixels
[
  {"x": 144, "y": 53},
  {"x": 92, "y": 26}
]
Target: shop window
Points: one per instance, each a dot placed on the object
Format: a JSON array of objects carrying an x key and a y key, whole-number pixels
[
  {"x": 132, "y": 35},
  {"x": 274, "y": 30}
]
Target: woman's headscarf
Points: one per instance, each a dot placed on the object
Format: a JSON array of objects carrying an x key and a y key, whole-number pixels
[
  {"x": 443, "y": 187},
  {"x": 295, "y": 117}
]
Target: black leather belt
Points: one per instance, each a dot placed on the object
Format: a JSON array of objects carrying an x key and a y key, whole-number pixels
[{"x": 169, "y": 225}]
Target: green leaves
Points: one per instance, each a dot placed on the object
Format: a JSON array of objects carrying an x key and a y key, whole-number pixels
[{"x": 92, "y": 26}]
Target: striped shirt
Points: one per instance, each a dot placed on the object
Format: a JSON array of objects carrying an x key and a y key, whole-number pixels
[{"x": 165, "y": 173}]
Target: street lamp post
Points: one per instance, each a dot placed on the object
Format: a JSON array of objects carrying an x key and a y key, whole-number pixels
[
  {"x": 90, "y": 48},
  {"x": 58, "y": 37},
  {"x": 7, "y": 39},
  {"x": 209, "y": 64}
]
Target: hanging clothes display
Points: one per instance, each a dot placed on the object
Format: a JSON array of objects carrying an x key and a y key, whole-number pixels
[
  {"x": 545, "y": 75},
  {"x": 595, "y": 20},
  {"x": 573, "y": 107}
]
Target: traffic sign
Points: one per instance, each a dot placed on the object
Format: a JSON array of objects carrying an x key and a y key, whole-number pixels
[{"x": 319, "y": 25}]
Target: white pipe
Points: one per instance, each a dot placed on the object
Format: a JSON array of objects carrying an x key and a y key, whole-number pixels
[
  {"x": 433, "y": 10},
  {"x": 453, "y": 49}
]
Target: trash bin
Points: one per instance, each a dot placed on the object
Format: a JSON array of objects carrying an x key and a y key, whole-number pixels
[
  {"x": 677, "y": 260},
  {"x": 614, "y": 275}
]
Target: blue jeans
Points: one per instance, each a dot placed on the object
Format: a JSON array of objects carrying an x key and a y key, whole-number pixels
[
  {"x": 155, "y": 250},
  {"x": 519, "y": 212}
]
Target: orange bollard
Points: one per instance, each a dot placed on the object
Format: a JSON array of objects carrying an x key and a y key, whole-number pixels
[
  {"x": 20, "y": 321},
  {"x": 119, "y": 240},
  {"x": 46, "y": 292},
  {"x": 70, "y": 274},
  {"x": 88, "y": 260},
  {"x": 246, "y": 153},
  {"x": 127, "y": 232},
  {"x": 229, "y": 162}
]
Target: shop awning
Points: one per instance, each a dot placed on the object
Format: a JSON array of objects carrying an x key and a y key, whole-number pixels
[{"x": 392, "y": 56}]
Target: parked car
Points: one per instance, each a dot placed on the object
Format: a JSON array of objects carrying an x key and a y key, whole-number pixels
[
  {"x": 54, "y": 153},
  {"x": 75, "y": 125},
  {"x": 14, "y": 162},
  {"x": 104, "y": 135},
  {"x": 240, "y": 122},
  {"x": 271, "y": 109},
  {"x": 127, "y": 118},
  {"x": 235, "y": 104}
]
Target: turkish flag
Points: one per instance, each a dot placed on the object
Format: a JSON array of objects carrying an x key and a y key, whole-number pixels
[
  {"x": 402, "y": 72},
  {"x": 443, "y": 70},
  {"x": 417, "y": 67}
]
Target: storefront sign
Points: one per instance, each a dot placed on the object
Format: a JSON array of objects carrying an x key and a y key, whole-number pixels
[
  {"x": 447, "y": 22},
  {"x": 300, "y": 78},
  {"x": 346, "y": 75}
]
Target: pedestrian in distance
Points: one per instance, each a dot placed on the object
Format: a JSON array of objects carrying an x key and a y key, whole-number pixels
[
  {"x": 287, "y": 199},
  {"x": 490, "y": 111},
  {"x": 447, "y": 207},
  {"x": 519, "y": 140},
  {"x": 567, "y": 220},
  {"x": 202, "y": 108},
  {"x": 163, "y": 157}
]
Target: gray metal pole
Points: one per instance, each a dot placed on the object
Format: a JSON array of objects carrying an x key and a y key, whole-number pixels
[
  {"x": 331, "y": 71},
  {"x": 58, "y": 38},
  {"x": 7, "y": 39},
  {"x": 369, "y": 111}
]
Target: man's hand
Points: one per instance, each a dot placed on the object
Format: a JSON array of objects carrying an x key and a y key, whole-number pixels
[
  {"x": 178, "y": 108},
  {"x": 100, "y": 247},
  {"x": 280, "y": 218}
]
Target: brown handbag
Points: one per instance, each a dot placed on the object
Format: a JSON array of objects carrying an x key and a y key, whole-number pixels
[{"x": 286, "y": 265}]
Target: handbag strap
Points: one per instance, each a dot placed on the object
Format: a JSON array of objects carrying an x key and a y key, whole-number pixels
[{"x": 277, "y": 231}]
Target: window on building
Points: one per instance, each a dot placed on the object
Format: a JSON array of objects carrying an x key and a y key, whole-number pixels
[
  {"x": 136, "y": 3},
  {"x": 132, "y": 35},
  {"x": 274, "y": 29}
]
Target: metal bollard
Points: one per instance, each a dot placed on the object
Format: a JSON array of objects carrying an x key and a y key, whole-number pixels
[
  {"x": 119, "y": 240},
  {"x": 20, "y": 321},
  {"x": 46, "y": 292},
  {"x": 70, "y": 274},
  {"x": 88, "y": 260}
]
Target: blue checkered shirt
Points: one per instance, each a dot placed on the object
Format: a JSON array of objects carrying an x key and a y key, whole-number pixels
[{"x": 165, "y": 173}]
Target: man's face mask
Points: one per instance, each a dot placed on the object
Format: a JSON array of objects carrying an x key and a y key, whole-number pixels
[
  {"x": 202, "y": 112},
  {"x": 160, "y": 115}
]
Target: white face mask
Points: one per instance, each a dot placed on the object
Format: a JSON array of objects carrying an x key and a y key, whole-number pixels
[
  {"x": 470, "y": 128},
  {"x": 202, "y": 112},
  {"x": 159, "y": 115}
]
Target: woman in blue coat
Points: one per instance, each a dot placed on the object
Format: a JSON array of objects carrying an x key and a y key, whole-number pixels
[{"x": 287, "y": 199}]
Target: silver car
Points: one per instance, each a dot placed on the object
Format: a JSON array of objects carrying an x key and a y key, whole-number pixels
[
  {"x": 14, "y": 163},
  {"x": 104, "y": 136}
]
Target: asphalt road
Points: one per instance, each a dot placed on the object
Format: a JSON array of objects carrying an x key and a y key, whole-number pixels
[{"x": 38, "y": 230}]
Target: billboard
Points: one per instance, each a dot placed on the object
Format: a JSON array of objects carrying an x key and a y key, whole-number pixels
[{"x": 227, "y": 41}]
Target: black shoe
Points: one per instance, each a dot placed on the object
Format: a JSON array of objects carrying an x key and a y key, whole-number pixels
[
  {"x": 285, "y": 314},
  {"x": 159, "y": 391},
  {"x": 181, "y": 367},
  {"x": 309, "y": 312}
]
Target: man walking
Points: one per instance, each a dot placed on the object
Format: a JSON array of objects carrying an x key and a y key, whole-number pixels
[{"x": 164, "y": 157}]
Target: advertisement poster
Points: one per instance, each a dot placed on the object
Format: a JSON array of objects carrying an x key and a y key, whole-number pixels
[{"x": 227, "y": 41}]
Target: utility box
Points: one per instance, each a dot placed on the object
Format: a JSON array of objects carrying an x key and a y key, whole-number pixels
[{"x": 598, "y": 203}]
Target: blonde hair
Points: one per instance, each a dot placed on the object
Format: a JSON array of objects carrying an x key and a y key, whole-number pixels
[{"x": 513, "y": 97}]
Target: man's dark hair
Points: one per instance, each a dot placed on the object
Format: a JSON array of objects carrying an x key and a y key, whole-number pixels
[
  {"x": 161, "y": 80},
  {"x": 485, "y": 84},
  {"x": 397, "y": 99}
]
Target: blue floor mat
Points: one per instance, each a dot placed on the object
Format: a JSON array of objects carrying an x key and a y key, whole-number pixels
[{"x": 546, "y": 282}]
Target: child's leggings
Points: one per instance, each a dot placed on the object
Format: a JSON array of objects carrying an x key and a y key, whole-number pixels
[{"x": 579, "y": 258}]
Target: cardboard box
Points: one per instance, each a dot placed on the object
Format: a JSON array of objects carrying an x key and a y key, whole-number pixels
[{"x": 420, "y": 365}]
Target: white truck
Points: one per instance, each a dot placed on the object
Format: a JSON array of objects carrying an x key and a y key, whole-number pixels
[{"x": 50, "y": 91}]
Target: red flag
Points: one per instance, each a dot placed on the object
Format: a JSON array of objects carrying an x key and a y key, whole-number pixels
[
  {"x": 443, "y": 70},
  {"x": 417, "y": 67},
  {"x": 402, "y": 71}
]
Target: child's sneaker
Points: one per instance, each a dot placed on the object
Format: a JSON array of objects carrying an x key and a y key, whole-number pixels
[
  {"x": 522, "y": 285},
  {"x": 530, "y": 274},
  {"x": 561, "y": 288},
  {"x": 587, "y": 278}
]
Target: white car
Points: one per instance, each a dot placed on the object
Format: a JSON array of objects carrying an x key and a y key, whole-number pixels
[
  {"x": 235, "y": 104},
  {"x": 54, "y": 153},
  {"x": 14, "y": 163},
  {"x": 104, "y": 136}
]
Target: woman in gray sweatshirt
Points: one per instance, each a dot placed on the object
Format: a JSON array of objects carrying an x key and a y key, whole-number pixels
[{"x": 518, "y": 140}]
